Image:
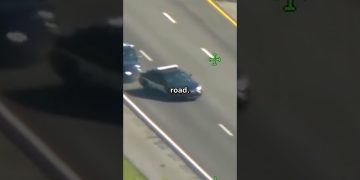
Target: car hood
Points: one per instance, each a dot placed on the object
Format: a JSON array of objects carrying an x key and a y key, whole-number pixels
[
  {"x": 129, "y": 66},
  {"x": 192, "y": 85}
]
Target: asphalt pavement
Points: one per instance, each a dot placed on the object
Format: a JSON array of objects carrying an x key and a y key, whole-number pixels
[
  {"x": 149, "y": 153},
  {"x": 173, "y": 32},
  {"x": 229, "y": 6},
  {"x": 303, "y": 118},
  {"x": 82, "y": 126},
  {"x": 21, "y": 167}
]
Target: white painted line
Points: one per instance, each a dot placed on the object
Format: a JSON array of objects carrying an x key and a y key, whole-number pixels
[
  {"x": 169, "y": 17},
  {"x": 207, "y": 52},
  {"x": 167, "y": 138},
  {"x": 46, "y": 14},
  {"x": 226, "y": 130},
  {"x": 117, "y": 21},
  {"x": 145, "y": 55},
  {"x": 17, "y": 36},
  {"x": 51, "y": 25}
]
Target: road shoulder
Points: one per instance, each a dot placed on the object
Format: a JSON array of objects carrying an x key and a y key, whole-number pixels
[
  {"x": 229, "y": 6},
  {"x": 149, "y": 153}
]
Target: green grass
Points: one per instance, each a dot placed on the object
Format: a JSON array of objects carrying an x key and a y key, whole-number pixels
[{"x": 130, "y": 171}]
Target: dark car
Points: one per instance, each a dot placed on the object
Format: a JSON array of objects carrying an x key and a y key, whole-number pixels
[
  {"x": 242, "y": 88},
  {"x": 172, "y": 82},
  {"x": 90, "y": 56},
  {"x": 131, "y": 65}
]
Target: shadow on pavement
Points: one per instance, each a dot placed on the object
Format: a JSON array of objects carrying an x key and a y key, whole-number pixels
[{"x": 81, "y": 102}]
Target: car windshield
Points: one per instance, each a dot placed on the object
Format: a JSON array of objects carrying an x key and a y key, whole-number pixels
[
  {"x": 177, "y": 78},
  {"x": 129, "y": 55}
]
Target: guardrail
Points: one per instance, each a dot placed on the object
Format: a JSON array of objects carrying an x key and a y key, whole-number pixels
[{"x": 158, "y": 131}]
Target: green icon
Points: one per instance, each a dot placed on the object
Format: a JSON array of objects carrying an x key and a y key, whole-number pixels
[
  {"x": 215, "y": 178},
  {"x": 216, "y": 58},
  {"x": 290, "y": 7}
]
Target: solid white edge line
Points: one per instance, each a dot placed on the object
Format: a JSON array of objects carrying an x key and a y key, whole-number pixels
[
  {"x": 207, "y": 52},
  {"x": 157, "y": 128},
  {"x": 169, "y": 17},
  {"x": 145, "y": 55},
  {"x": 226, "y": 130}
]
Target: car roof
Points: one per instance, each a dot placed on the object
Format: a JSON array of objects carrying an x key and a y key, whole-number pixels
[
  {"x": 165, "y": 69},
  {"x": 169, "y": 67},
  {"x": 128, "y": 45}
]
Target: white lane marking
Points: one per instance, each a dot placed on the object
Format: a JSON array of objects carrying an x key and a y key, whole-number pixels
[
  {"x": 117, "y": 21},
  {"x": 207, "y": 52},
  {"x": 51, "y": 25},
  {"x": 169, "y": 17},
  {"x": 226, "y": 130},
  {"x": 17, "y": 36},
  {"x": 145, "y": 55},
  {"x": 46, "y": 14},
  {"x": 164, "y": 135}
]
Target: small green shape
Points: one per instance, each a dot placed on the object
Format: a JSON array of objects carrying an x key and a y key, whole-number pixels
[
  {"x": 130, "y": 171},
  {"x": 215, "y": 178},
  {"x": 216, "y": 58},
  {"x": 290, "y": 7}
]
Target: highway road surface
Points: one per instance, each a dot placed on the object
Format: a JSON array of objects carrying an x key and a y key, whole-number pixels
[
  {"x": 82, "y": 127},
  {"x": 21, "y": 167},
  {"x": 303, "y": 121},
  {"x": 185, "y": 33}
]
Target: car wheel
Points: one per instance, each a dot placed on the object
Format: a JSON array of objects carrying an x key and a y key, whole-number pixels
[
  {"x": 193, "y": 98},
  {"x": 144, "y": 84}
]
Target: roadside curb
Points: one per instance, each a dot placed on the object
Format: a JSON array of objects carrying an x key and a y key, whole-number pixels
[
  {"x": 167, "y": 140},
  {"x": 169, "y": 163}
]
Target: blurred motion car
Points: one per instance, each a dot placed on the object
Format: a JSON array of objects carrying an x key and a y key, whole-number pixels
[
  {"x": 242, "y": 88},
  {"x": 131, "y": 65},
  {"x": 90, "y": 56},
  {"x": 172, "y": 82}
]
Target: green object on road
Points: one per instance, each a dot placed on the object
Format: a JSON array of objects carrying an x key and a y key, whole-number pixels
[
  {"x": 215, "y": 178},
  {"x": 290, "y": 6},
  {"x": 130, "y": 172},
  {"x": 216, "y": 58}
]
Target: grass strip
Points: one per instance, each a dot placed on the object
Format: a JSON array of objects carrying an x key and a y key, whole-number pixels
[{"x": 130, "y": 171}]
